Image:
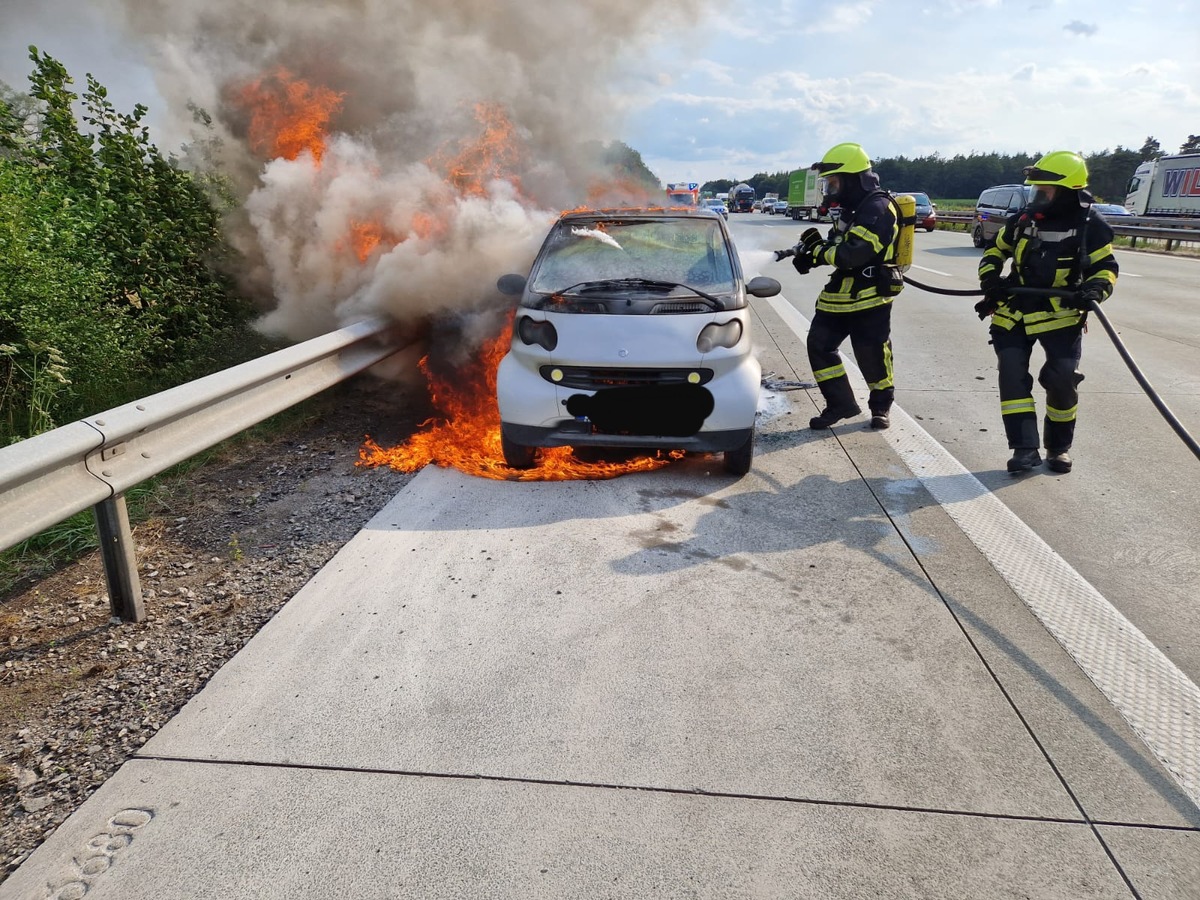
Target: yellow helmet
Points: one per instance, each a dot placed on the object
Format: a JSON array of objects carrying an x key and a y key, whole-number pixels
[
  {"x": 1060, "y": 167},
  {"x": 843, "y": 158}
]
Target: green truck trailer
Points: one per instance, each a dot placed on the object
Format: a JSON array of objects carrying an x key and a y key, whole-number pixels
[{"x": 805, "y": 189}]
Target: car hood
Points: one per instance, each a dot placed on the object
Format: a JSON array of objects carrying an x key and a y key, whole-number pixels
[{"x": 637, "y": 341}]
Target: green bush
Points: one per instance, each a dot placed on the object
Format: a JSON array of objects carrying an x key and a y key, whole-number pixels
[{"x": 110, "y": 286}]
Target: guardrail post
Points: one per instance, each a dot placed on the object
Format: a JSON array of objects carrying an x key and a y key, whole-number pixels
[{"x": 120, "y": 560}]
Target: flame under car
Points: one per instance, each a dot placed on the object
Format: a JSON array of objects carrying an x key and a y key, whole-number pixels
[{"x": 632, "y": 331}]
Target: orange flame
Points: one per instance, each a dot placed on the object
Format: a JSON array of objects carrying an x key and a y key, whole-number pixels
[
  {"x": 467, "y": 436},
  {"x": 287, "y": 115},
  {"x": 496, "y": 154},
  {"x": 364, "y": 238}
]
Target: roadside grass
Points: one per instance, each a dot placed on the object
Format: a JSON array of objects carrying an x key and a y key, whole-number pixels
[{"x": 65, "y": 542}]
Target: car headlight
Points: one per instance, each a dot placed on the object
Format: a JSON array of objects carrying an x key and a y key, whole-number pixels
[
  {"x": 713, "y": 335},
  {"x": 533, "y": 331}
]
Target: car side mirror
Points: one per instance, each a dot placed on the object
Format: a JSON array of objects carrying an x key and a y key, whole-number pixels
[
  {"x": 762, "y": 286},
  {"x": 511, "y": 285}
]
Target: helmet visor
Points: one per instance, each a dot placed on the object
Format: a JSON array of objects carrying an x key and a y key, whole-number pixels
[{"x": 1041, "y": 196}]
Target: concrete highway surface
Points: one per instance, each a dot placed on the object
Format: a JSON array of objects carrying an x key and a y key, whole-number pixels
[{"x": 876, "y": 666}]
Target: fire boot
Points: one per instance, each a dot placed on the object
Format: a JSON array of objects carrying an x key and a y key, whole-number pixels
[
  {"x": 831, "y": 414},
  {"x": 1024, "y": 459},
  {"x": 1058, "y": 461},
  {"x": 879, "y": 419}
]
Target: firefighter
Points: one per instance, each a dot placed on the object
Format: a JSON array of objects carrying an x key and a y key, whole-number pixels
[
  {"x": 1057, "y": 240},
  {"x": 856, "y": 302}
]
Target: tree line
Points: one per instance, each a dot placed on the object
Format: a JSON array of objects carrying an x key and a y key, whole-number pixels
[{"x": 966, "y": 177}]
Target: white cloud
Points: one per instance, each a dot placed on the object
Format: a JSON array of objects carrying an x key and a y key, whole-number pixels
[
  {"x": 888, "y": 80},
  {"x": 838, "y": 19}
]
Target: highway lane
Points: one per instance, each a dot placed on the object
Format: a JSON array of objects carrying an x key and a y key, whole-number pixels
[{"x": 1127, "y": 517}]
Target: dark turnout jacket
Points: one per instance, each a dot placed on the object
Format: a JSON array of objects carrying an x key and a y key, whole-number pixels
[{"x": 1069, "y": 247}]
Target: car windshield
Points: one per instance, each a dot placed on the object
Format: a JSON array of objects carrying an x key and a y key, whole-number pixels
[
  {"x": 685, "y": 251},
  {"x": 922, "y": 199}
]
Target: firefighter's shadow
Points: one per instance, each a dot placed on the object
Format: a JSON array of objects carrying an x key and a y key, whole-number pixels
[{"x": 771, "y": 533}]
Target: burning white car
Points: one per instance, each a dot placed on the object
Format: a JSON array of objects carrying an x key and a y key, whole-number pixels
[{"x": 633, "y": 331}]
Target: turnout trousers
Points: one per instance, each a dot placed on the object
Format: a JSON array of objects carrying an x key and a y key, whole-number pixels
[
  {"x": 869, "y": 331},
  {"x": 1059, "y": 376}
]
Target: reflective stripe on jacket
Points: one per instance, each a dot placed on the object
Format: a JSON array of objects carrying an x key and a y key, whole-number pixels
[
  {"x": 857, "y": 255},
  {"x": 1046, "y": 254}
]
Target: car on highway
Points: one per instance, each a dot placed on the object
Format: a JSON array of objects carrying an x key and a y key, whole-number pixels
[
  {"x": 778, "y": 207},
  {"x": 926, "y": 210},
  {"x": 1111, "y": 209},
  {"x": 717, "y": 206},
  {"x": 993, "y": 207},
  {"x": 632, "y": 330}
]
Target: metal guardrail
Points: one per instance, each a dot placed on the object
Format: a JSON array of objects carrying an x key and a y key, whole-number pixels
[
  {"x": 48, "y": 478},
  {"x": 1133, "y": 227}
]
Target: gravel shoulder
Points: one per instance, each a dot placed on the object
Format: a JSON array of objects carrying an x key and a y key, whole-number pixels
[{"x": 80, "y": 693}]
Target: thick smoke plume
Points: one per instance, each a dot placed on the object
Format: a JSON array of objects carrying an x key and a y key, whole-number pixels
[{"x": 443, "y": 137}]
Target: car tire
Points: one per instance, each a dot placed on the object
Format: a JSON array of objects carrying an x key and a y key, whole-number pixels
[
  {"x": 977, "y": 237},
  {"x": 738, "y": 460},
  {"x": 516, "y": 456}
]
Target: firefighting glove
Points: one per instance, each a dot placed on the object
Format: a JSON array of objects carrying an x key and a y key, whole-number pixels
[
  {"x": 992, "y": 298},
  {"x": 1083, "y": 299},
  {"x": 808, "y": 239},
  {"x": 816, "y": 254},
  {"x": 802, "y": 259}
]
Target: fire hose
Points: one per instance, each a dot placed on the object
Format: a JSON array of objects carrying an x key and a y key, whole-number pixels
[
  {"x": 1093, "y": 307},
  {"x": 1137, "y": 373}
]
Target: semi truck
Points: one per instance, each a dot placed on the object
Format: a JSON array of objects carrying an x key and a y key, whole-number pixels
[
  {"x": 1168, "y": 186},
  {"x": 805, "y": 189},
  {"x": 741, "y": 199}
]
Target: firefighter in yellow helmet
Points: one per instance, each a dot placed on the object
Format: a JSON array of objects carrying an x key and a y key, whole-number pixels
[
  {"x": 856, "y": 302},
  {"x": 1057, "y": 241}
]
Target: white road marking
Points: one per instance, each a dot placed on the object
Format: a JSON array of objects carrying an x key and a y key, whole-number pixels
[
  {"x": 934, "y": 271},
  {"x": 1151, "y": 693}
]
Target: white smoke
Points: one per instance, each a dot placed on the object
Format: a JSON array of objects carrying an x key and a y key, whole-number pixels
[{"x": 410, "y": 74}]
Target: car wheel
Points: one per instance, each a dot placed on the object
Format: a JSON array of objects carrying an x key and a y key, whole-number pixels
[
  {"x": 977, "y": 236},
  {"x": 737, "y": 461},
  {"x": 516, "y": 456}
]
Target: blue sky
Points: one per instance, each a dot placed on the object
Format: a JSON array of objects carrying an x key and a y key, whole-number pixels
[
  {"x": 909, "y": 79},
  {"x": 768, "y": 85}
]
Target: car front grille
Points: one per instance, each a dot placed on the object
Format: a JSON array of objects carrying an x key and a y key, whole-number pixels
[
  {"x": 679, "y": 306},
  {"x": 582, "y": 378}
]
